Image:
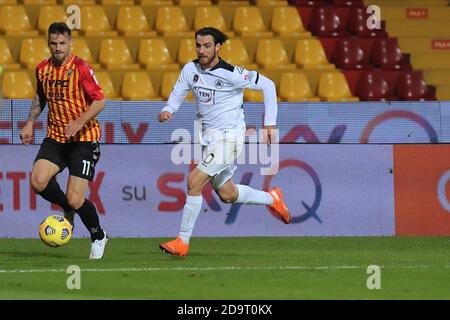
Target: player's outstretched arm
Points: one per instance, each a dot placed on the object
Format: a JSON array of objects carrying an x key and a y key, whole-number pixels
[{"x": 26, "y": 134}]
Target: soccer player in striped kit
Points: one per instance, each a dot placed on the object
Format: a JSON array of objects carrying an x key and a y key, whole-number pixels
[{"x": 67, "y": 84}]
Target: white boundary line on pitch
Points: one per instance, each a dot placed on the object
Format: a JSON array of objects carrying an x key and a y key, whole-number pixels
[{"x": 231, "y": 268}]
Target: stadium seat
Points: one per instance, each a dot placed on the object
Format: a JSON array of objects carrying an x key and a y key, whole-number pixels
[
  {"x": 248, "y": 22},
  {"x": 17, "y": 85},
  {"x": 333, "y": 87},
  {"x": 8, "y": 2},
  {"x": 193, "y": 2},
  {"x": 136, "y": 85},
  {"x": 39, "y": 2},
  {"x": 308, "y": 3},
  {"x": 325, "y": 22},
  {"x": 357, "y": 24},
  {"x": 443, "y": 92},
  {"x": 114, "y": 54},
  {"x": 32, "y": 51},
  {"x": 171, "y": 22},
  {"x": 14, "y": 21},
  {"x": 210, "y": 16},
  {"x": 6, "y": 58},
  {"x": 81, "y": 49},
  {"x": 309, "y": 54},
  {"x": 372, "y": 86},
  {"x": 94, "y": 22},
  {"x": 348, "y": 3},
  {"x": 155, "y": 3},
  {"x": 78, "y": 2},
  {"x": 270, "y": 54},
  {"x": 168, "y": 82},
  {"x": 273, "y": 3},
  {"x": 286, "y": 22},
  {"x": 132, "y": 22},
  {"x": 386, "y": 54},
  {"x": 234, "y": 52},
  {"x": 294, "y": 87},
  {"x": 412, "y": 87},
  {"x": 48, "y": 15},
  {"x": 154, "y": 55},
  {"x": 116, "y": 2},
  {"x": 348, "y": 54},
  {"x": 187, "y": 51},
  {"x": 253, "y": 95},
  {"x": 106, "y": 84}
]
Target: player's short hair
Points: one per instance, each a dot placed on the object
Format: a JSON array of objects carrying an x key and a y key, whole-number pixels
[
  {"x": 60, "y": 28},
  {"x": 219, "y": 36}
]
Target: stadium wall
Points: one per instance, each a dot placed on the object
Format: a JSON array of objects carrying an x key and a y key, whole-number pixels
[{"x": 350, "y": 179}]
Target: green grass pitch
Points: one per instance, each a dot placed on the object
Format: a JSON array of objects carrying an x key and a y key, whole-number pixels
[{"x": 256, "y": 268}]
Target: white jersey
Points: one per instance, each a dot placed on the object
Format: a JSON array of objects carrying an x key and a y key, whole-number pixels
[{"x": 218, "y": 94}]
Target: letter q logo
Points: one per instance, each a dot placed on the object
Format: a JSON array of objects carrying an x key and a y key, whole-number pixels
[{"x": 443, "y": 200}]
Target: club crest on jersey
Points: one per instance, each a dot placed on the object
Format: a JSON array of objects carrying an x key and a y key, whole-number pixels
[
  {"x": 69, "y": 72},
  {"x": 218, "y": 84},
  {"x": 195, "y": 79}
]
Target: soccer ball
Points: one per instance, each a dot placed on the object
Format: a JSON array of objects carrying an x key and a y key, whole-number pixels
[{"x": 55, "y": 231}]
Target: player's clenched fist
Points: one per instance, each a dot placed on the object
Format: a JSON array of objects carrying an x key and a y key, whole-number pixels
[
  {"x": 26, "y": 134},
  {"x": 164, "y": 116}
]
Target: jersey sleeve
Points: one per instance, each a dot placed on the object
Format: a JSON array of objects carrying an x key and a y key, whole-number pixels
[
  {"x": 245, "y": 79},
  {"x": 179, "y": 91},
  {"x": 90, "y": 84}
]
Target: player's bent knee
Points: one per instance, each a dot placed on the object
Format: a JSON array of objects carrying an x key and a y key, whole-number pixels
[
  {"x": 227, "y": 197},
  {"x": 75, "y": 200},
  {"x": 38, "y": 182}
]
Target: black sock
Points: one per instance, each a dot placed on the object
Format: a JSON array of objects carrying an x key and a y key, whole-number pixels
[
  {"x": 89, "y": 217},
  {"x": 54, "y": 194}
]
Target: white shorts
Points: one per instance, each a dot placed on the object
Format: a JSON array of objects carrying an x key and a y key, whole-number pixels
[{"x": 218, "y": 160}]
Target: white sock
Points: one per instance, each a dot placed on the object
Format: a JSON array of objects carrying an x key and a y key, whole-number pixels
[
  {"x": 191, "y": 211},
  {"x": 249, "y": 195}
]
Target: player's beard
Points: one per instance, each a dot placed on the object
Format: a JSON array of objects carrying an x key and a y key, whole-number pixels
[{"x": 210, "y": 60}]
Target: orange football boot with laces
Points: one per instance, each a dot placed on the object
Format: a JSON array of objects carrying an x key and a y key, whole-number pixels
[
  {"x": 279, "y": 208},
  {"x": 176, "y": 247}
]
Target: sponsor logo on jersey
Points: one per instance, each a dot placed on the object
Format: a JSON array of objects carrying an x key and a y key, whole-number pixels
[{"x": 218, "y": 84}]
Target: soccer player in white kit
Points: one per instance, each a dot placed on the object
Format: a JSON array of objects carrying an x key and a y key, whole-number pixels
[{"x": 218, "y": 90}]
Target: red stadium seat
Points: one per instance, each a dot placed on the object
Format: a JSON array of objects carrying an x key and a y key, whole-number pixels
[
  {"x": 386, "y": 54},
  {"x": 348, "y": 54},
  {"x": 372, "y": 86},
  {"x": 412, "y": 87},
  {"x": 325, "y": 22},
  {"x": 357, "y": 24}
]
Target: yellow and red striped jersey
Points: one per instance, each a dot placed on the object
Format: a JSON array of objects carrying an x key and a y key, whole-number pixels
[{"x": 69, "y": 91}]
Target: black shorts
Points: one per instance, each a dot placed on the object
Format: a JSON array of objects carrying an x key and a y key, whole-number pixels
[{"x": 80, "y": 157}]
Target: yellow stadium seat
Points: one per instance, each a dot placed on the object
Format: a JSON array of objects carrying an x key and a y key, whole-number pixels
[
  {"x": 233, "y": 3},
  {"x": 443, "y": 92},
  {"x": 273, "y": 3},
  {"x": 114, "y": 54},
  {"x": 334, "y": 87},
  {"x": 32, "y": 51},
  {"x": 294, "y": 87},
  {"x": 270, "y": 55},
  {"x": 171, "y": 22},
  {"x": 154, "y": 55},
  {"x": 131, "y": 21},
  {"x": 187, "y": 51},
  {"x": 14, "y": 21},
  {"x": 8, "y": 2},
  {"x": 192, "y": 2},
  {"x": 253, "y": 95},
  {"x": 117, "y": 2},
  {"x": 106, "y": 84},
  {"x": 248, "y": 21},
  {"x": 48, "y": 15},
  {"x": 17, "y": 85},
  {"x": 234, "y": 52},
  {"x": 159, "y": 3},
  {"x": 81, "y": 49},
  {"x": 168, "y": 82},
  {"x": 286, "y": 22},
  {"x": 437, "y": 76},
  {"x": 212, "y": 17},
  {"x": 94, "y": 22},
  {"x": 6, "y": 58},
  {"x": 309, "y": 54},
  {"x": 39, "y": 2},
  {"x": 79, "y": 2},
  {"x": 138, "y": 86}
]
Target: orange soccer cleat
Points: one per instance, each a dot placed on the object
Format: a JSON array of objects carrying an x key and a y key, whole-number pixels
[
  {"x": 279, "y": 208},
  {"x": 176, "y": 247}
]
